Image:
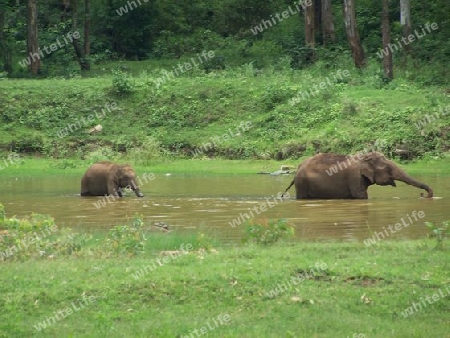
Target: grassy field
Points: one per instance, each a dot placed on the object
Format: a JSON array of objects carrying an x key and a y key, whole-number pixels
[
  {"x": 289, "y": 290},
  {"x": 36, "y": 166}
]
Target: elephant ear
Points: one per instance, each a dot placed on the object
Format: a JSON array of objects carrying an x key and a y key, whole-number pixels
[
  {"x": 375, "y": 168},
  {"x": 368, "y": 167}
]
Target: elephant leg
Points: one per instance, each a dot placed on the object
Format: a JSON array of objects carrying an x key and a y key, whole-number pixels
[
  {"x": 301, "y": 189},
  {"x": 113, "y": 189},
  {"x": 84, "y": 187},
  {"x": 359, "y": 190}
]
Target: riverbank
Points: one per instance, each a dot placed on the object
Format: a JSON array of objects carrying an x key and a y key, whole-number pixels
[
  {"x": 326, "y": 289},
  {"x": 38, "y": 166},
  {"x": 239, "y": 113}
]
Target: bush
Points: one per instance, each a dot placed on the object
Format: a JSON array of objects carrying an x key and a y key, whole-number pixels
[
  {"x": 122, "y": 83},
  {"x": 127, "y": 239},
  {"x": 268, "y": 231},
  {"x": 36, "y": 236},
  {"x": 439, "y": 232}
]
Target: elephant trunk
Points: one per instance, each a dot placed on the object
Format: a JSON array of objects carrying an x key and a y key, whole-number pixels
[
  {"x": 138, "y": 192},
  {"x": 402, "y": 176},
  {"x": 136, "y": 189}
]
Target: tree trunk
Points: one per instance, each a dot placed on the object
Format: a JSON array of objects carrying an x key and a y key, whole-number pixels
[
  {"x": 79, "y": 51},
  {"x": 328, "y": 31},
  {"x": 310, "y": 39},
  {"x": 317, "y": 16},
  {"x": 386, "y": 33},
  {"x": 352, "y": 33},
  {"x": 32, "y": 37},
  {"x": 87, "y": 27},
  {"x": 4, "y": 46},
  {"x": 405, "y": 21}
]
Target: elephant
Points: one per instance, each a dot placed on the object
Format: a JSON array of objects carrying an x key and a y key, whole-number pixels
[
  {"x": 107, "y": 178},
  {"x": 337, "y": 176}
]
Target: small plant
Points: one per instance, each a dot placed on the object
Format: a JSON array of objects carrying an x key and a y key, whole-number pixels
[
  {"x": 267, "y": 231},
  {"x": 122, "y": 83},
  {"x": 439, "y": 232},
  {"x": 35, "y": 236},
  {"x": 127, "y": 239}
]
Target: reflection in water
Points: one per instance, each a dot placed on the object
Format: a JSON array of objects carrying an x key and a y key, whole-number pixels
[{"x": 211, "y": 203}]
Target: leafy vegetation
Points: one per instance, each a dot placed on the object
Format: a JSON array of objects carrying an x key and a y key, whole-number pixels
[
  {"x": 440, "y": 232},
  {"x": 127, "y": 239},
  {"x": 267, "y": 231},
  {"x": 184, "y": 113}
]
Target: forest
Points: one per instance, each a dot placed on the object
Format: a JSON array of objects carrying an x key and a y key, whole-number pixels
[{"x": 239, "y": 32}]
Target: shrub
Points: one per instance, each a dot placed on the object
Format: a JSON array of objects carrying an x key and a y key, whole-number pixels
[
  {"x": 267, "y": 231},
  {"x": 439, "y": 232},
  {"x": 122, "y": 83},
  {"x": 127, "y": 239},
  {"x": 35, "y": 236}
]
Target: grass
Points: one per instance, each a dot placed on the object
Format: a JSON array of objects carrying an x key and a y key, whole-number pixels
[
  {"x": 184, "y": 113},
  {"x": 35, "y": 166},
  {"x": 362, "y": 290}
]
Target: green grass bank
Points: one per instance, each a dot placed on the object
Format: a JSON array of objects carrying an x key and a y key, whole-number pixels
[
  {"x": 289, "y": 290},
  {"x": 292, "y": 113}
]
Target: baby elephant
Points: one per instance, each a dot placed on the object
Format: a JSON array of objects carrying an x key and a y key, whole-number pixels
[{"x": 107, "y": 178}]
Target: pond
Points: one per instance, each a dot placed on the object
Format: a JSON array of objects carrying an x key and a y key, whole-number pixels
[{"x": 212, "y": 203}]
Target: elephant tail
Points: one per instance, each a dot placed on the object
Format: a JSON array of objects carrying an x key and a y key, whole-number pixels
[{"x": 290, "y": 185}]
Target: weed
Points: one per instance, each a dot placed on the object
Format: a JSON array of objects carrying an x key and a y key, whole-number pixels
[
  {"x": 127, "y": 239},
  {"x": 122, "y": 83},
  {"x": 439, "y": 232},
  {"x": 268, "y": 231},
  {"x": 36, "y": 236}
]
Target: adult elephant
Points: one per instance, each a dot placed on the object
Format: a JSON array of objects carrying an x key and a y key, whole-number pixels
[
  {"x": 335, "y": 176},
  {"x": 107, "y": 178}
]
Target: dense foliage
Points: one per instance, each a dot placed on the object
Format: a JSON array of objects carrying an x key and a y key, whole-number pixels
[{"x": 172, "y": 29}]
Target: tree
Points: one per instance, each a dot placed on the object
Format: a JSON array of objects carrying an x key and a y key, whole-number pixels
[
  {"x": 386, "y": 36},
  {"x": 352, "y": 33},
  {"x": 310, "y": 39},
  {"x": 32, "y": 37},
  {"x": 405, "y": 21},
  {"x": 87, "y": 27},
  {"x": 5, "y": 51},
  {"x": 79, "y": 51},
  {"x": 328, "y": 31}
]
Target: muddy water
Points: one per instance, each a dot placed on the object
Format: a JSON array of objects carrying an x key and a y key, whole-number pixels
[{"x": 211, "y": 203}]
